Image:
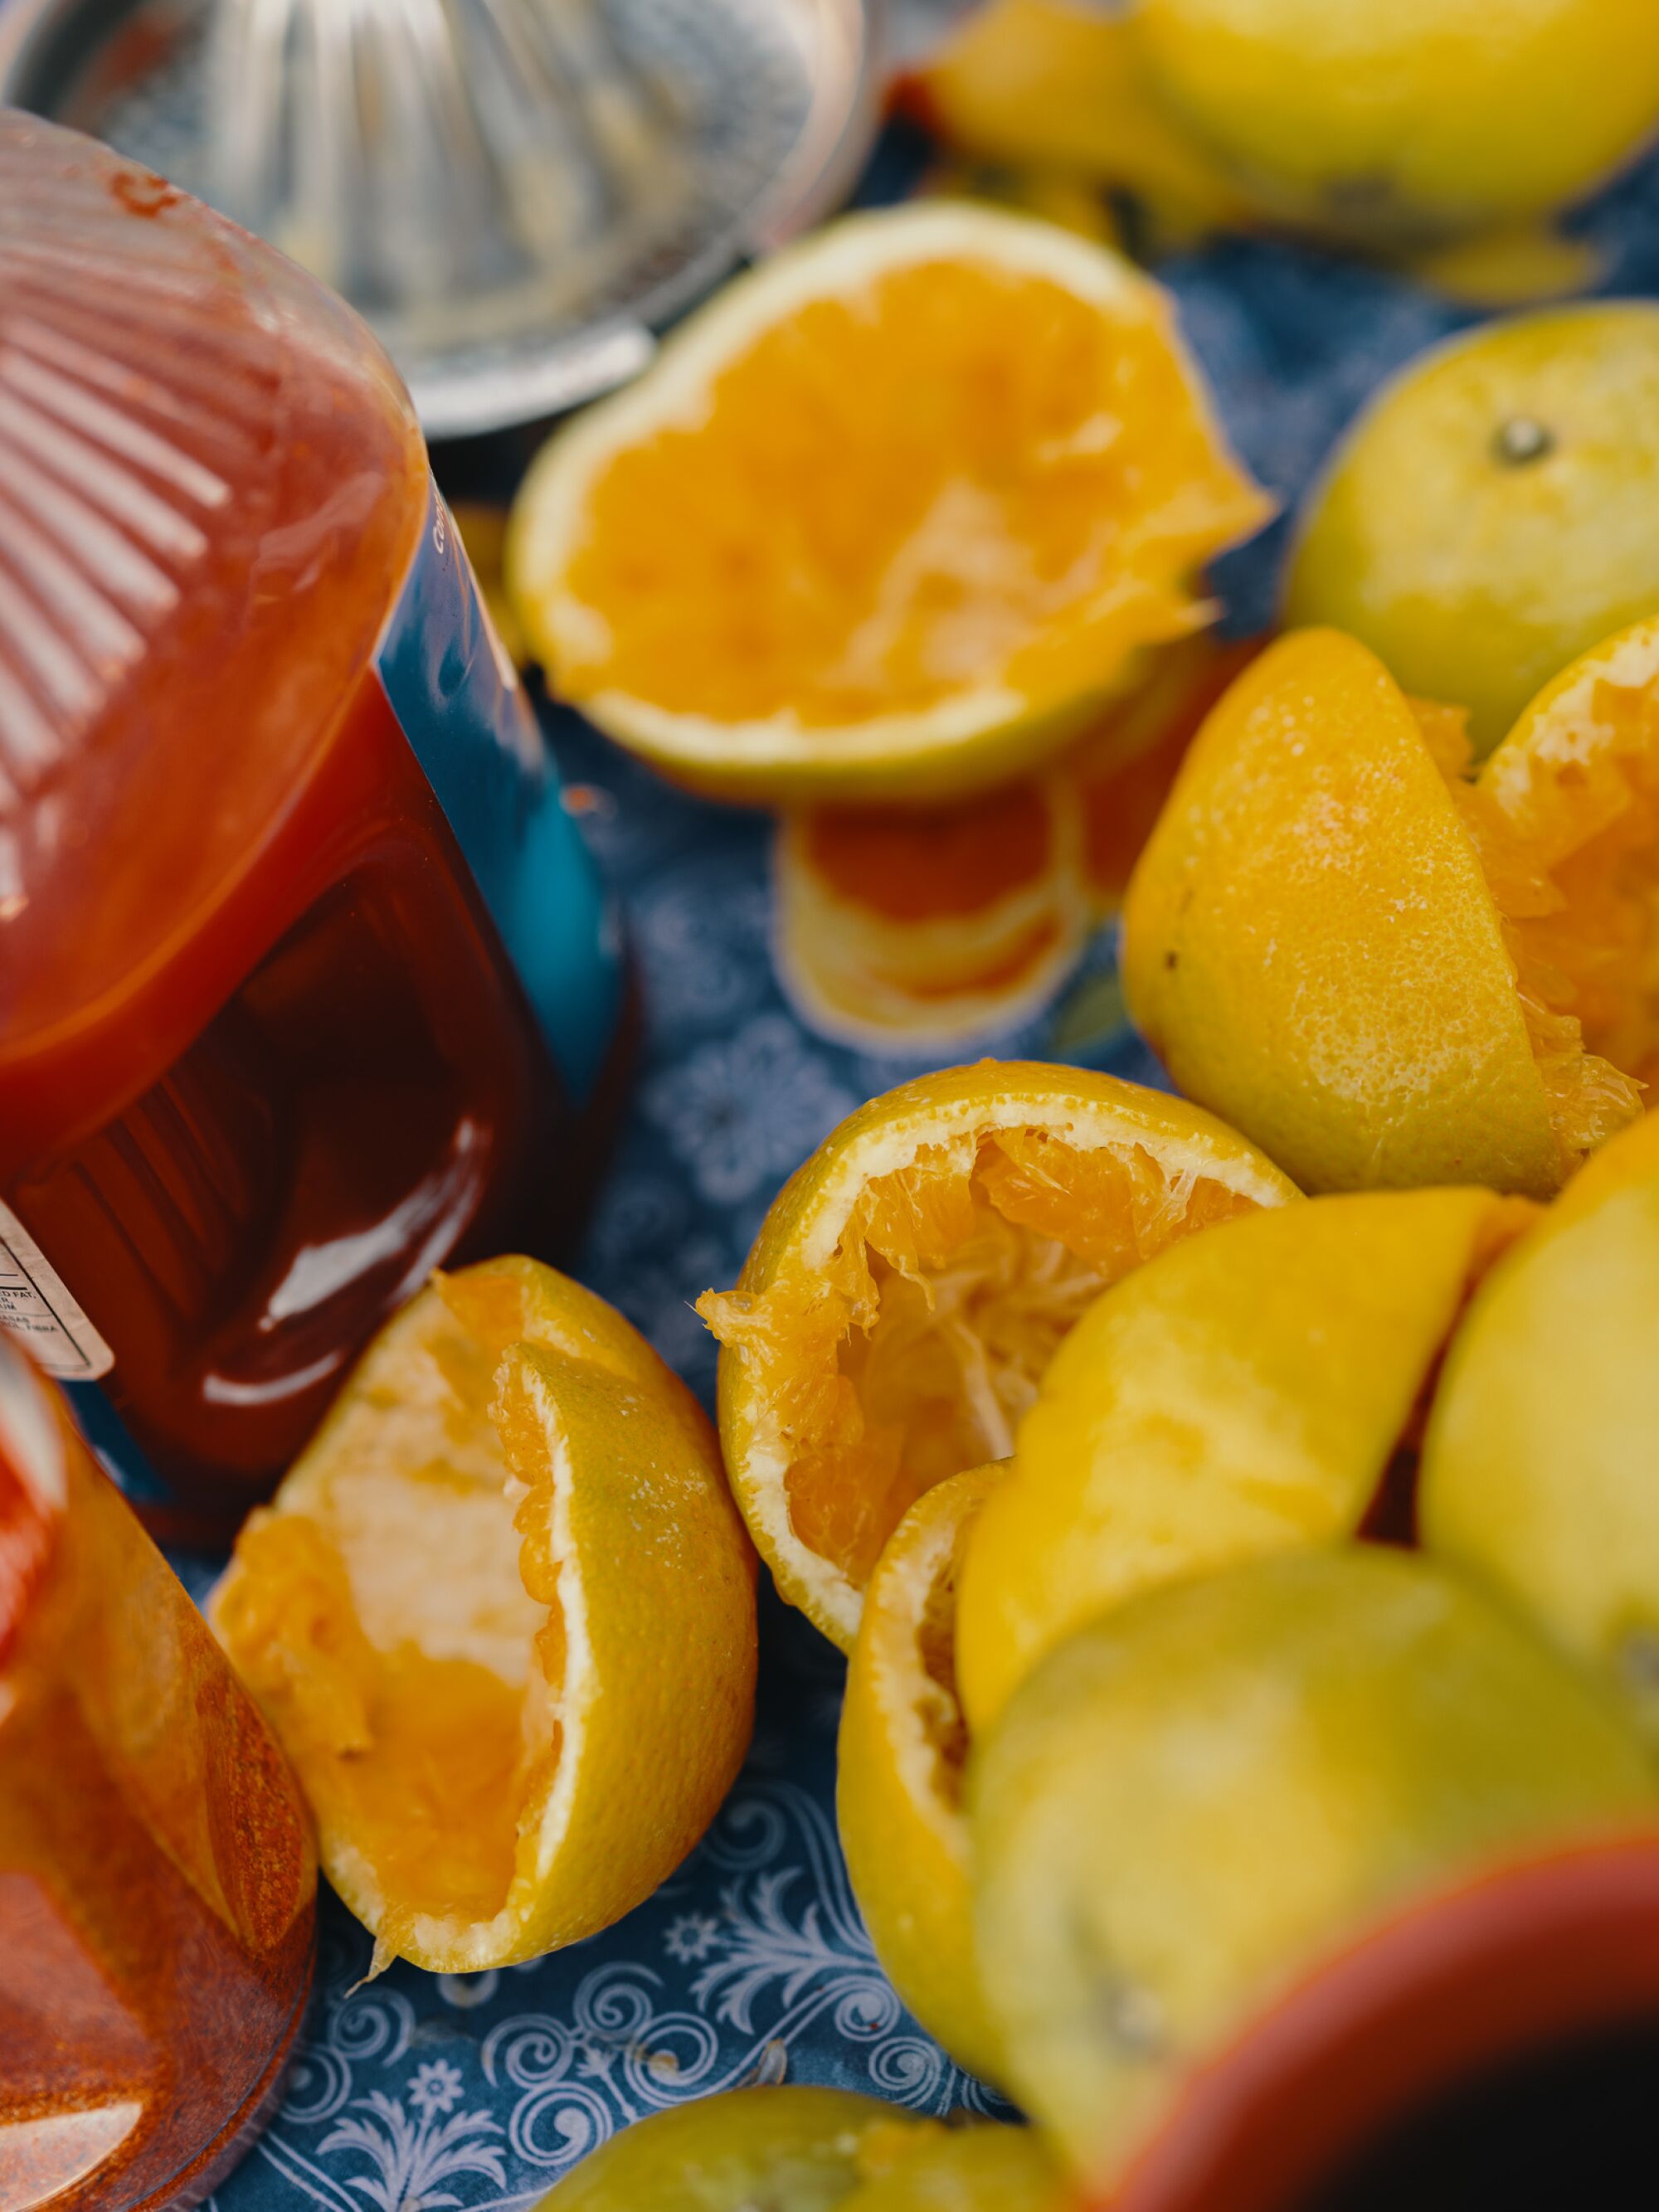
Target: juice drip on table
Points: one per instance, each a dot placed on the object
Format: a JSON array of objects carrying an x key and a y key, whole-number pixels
[
  {"x": 303, "y": 968},
  {"x": 157, "y": 1878}
]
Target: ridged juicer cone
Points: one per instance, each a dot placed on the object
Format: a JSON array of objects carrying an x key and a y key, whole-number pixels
[{"x": 515, "y": 192}]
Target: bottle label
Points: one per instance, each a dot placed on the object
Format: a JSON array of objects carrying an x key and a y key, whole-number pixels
[
  {"x": 458, "y": 699},
  {"x": 36, "y": 1306}
]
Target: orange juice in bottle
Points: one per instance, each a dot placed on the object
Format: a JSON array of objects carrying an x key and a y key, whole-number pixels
[
  {"x": 158, "y": 1879},
  {"x": 304, "y": 973}
]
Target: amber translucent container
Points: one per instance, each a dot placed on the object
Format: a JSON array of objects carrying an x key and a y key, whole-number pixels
[{"x": 157, "y": 1874}]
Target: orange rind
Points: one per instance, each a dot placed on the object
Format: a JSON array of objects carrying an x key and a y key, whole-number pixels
[
  {"x": 1488, "y": 517},
  {"x": 500, "y": 1616},
  {"x": 900, "y": 1760},
  {"x": 912, "y": 1279},
  {"x": 1383, "y": 974},
  {"x": 801, "y": 2150},
  {"x": 889, "y": 518},
  {"x": 1405, "y": 122},
  {"x": 1246, "y": 1392},
  {"x": 900, "y": 927},
  {"x": 1540, "y": 1465},
  {"x": 1210, "y": 1791}
]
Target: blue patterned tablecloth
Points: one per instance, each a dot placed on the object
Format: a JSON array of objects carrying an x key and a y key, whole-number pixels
[{"x": 419, "y": 2092}]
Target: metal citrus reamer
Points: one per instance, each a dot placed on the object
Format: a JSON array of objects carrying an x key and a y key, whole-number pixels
[{"x": 514, "y": 192}]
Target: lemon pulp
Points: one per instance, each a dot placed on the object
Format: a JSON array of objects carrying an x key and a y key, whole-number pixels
[
  {"x": 414, "y": 1743},
  {"x": 934, "y": 510},
  {"x": 913, "y": 1353},
  {"x": 1578, "y": 903}
]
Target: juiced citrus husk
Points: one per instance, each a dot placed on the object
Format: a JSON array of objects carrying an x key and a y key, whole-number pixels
[
  {"x": 501, "y": 1615},
  {"x": 900, "y": 1760},
  {"x": 1540, "y": 1466},
  {"x": 1254, "y": 1390},
  {"x": 890, "y": 518},
  {"x": 1330, "y": 938},
  {"x": 1588, "y": 1097},
  {"x": 912, "y": 1281},
  {"x": 1210, "y": 1791},
  {"x": 1566, "y": 814},
  {"x": 899, "y": 926}
]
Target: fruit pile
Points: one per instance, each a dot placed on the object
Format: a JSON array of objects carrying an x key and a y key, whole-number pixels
[
  {"x": 1240, "y": 1509},
  {"x": 902, "y": 538}
]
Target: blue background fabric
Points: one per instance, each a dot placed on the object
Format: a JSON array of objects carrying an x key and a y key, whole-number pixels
[{"x": 417, "y": 2092}]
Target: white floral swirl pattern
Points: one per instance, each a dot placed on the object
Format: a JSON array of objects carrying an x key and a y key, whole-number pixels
[{"x": 433, "y": 2093}]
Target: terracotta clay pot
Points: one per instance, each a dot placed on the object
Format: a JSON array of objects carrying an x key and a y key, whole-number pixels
[
  {"x": 157, "y": 1874},
  {"x": 1475, "y": 2010}
]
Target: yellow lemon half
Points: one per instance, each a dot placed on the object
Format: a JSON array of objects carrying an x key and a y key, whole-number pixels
[
  {"x": 1325, "y": 937},
  {"x": 1403, "y": 119},
  {"x": 501, "y": 1614},
  {"x": 1199, "y": 1797},
  {"x": 1244, "y": 1392},
  {"x": 1540, "y": 1468},
  {"x": 890, "y": 516},
  {"x": 899, "y": 1769},
  {"x": 912, "y": 1279},
  {"x": 1491, "y": 513}
]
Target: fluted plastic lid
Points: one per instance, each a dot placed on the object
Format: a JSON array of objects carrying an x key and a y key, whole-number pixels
[{"x": 210, "y": 484}]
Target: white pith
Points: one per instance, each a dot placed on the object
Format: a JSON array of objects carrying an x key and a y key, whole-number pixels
[{"x": 760, "y": 1469}]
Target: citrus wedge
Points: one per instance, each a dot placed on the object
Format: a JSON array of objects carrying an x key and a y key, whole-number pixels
[
  {"x": 929, "y": 926},
  {"x": 899, "y": 1769},
  {"x": 1208, "y": 1791},
  {"x": 501, "y": 1615},
  {"x": 890, "y": 516},
  {"x": 911, "y": 1283},
  {"x": 1566, "y": 813},
  {"x": 1540, "y": 1466},
  {"x": 786, "y": 2149},
  {"x": 1245, "y": 1392},
  {"x": 1325, "y": 938}
]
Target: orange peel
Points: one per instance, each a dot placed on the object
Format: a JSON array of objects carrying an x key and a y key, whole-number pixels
[
  {"x": 1378, "y": 970},
  {"x": 900, "y": 1760},
  {"x": 1207, "y": 1793},
  {"x": 1540, "y": 1466},
  {"x": 899, "y": 926},
  {"x": 500, "y": 1616},
  {"x": 911, "y": 1283},
  {"x": 1244, "y": 1393},
  {"x": 890, "y": 517}
]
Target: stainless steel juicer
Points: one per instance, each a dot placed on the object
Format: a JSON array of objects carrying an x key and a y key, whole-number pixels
[{"x": 516, "y": 193}]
